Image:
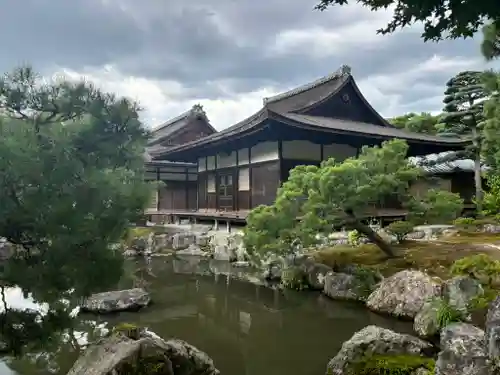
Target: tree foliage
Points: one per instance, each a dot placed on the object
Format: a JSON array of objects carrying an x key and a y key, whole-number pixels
[
  {"x": 417, "y": 122},
  {"x": 71, "y": 181},
  {"x": 490, "y": 46},
  {"x": 463, "y": 115},
  {"x": 441, "y": 19},
  {"x": 491, "y": 127},
  {"x": 316, "y": 199}
]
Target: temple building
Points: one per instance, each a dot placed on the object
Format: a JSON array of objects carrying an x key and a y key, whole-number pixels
[{"x": 242, "y": 166}]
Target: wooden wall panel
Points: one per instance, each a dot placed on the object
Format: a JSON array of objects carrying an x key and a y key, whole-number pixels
[
  {"x": 212, "y": 201},
  {"x": 265, "y": 182},
  {"x": 179, "y": 195},
  {"x": 192, "y": 195},
  {"x": 243, "y": 202},
  {"x": 202, "y": 190}
]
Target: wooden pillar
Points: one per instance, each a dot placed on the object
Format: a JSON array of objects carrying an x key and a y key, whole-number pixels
[
  {"x": 322, "y": 152},
  {"x": 280, "y": 161},
  {"x": 186, "y": 188},
  {"x": 206, "y": 183},
  {"x": 250, "y": 177},
  {"x": 197, "y": 184},
  {"x": 236, "y": 182},
  {"x": 216, "y": 185},
  {"x": 157, "y": 189}
]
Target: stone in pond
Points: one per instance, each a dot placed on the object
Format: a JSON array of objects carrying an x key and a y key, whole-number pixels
[
  {"x": 316, "y": 274},
  {"x": 375, "y": 340},
  {"x": 404, "y": 294},
  {"x": 119, "y": 354},
  {"x": 115, "y": 301},
  {"x": 342, "y": 286},
  {"x": 463, "y": 351}
]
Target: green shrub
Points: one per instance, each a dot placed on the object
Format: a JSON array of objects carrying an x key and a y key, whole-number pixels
[
  {"x": 482, "y": 301},
  {"x": 464, "y": 222},
  {"x": 447, "y": 313},
  {"x": 436, "y": 207},
  {"x": 481, "y": 267},
  {"x": 354, "y": 237},
  {"x": 391, "y": 365},
  {"x": 400, "y": 229}
]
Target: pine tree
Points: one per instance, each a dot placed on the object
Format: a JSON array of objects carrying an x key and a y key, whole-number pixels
[
  {"x": 464, "y": 99},
  {"x": 71, "y": 181}
]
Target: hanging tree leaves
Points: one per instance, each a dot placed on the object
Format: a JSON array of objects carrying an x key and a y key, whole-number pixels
[{"x": 442, "y": 19}]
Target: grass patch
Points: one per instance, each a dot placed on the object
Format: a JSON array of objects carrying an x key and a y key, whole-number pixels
[
  {"x": 434, "y": 258},
  {"x": 392, "y": 365}
]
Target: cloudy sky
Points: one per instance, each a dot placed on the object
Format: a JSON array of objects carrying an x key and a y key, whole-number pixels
[{"x": 227, "y": 54}]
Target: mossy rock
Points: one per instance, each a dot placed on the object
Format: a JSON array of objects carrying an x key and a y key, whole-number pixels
[
  {"x": 391, "y": 365},
  {"x": 129, "y": 330}
]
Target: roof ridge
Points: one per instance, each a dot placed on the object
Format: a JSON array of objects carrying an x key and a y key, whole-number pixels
[
  {"x": 197, "y": 108},
  {"x": 343, "y": 71}
]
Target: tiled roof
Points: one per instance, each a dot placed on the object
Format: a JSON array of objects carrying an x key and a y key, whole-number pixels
[
  {"x": 365, "y": 128},
  {"x": 432, "y": 163}
]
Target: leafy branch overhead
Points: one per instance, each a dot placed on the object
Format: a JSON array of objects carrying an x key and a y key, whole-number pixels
[
  {"x": 71, "y": 181},
  {"x": 441, "y": 19}
]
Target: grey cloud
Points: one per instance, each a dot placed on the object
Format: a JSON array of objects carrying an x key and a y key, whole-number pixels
[{"x": 201, "y": 42}]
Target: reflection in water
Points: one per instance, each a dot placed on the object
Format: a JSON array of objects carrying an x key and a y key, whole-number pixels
[{"x": 246, "y": 328}]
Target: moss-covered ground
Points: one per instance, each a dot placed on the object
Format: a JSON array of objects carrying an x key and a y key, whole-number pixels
[{"x": 433, "y": 257}]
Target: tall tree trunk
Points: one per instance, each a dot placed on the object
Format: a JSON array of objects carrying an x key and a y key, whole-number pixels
[
  {"x": 477, "y": 172},
  {"x": 355, "y": 223}
]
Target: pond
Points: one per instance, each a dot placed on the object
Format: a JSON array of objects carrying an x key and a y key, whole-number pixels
[{"x": 246, "y": 328}]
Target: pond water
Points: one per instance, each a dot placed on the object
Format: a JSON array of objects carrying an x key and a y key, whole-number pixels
[{"x": 246, "y": 329}]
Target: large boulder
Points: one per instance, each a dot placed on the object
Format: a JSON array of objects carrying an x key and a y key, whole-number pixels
[
  {"x": 115, "y": 301},
  {"x": 426, "y": 323},
  {"x": 492, "y": 334},
  {"x": 460, "y": 291},
  {"x": 404, "y": 294},
  {"x": 316, "y": 274},
  {"x": 343, "y": 286},
  {"x": 373, "y": 340},
  {"x": 120, "y": 354},
  {"x": 183, "y": 240},
  {"x": 462, "y": 351}
]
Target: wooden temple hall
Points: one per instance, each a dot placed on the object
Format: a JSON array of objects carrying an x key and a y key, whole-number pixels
[{"x": 222, "y": 175}]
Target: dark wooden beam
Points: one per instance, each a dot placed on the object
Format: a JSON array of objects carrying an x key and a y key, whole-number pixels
[
  {"x": 236, "y": 178},
  {"x": 280, "y": 161},
  {"x": 186, "y": 188},
  {"x": 322, "y": 151},
  {"x": 157, "y": 189},
  {"x": 250, "y": 178},
  {"x": 216, "y": 185}
]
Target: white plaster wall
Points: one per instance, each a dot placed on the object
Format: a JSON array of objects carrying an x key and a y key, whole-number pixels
[
  {"x": 243, "y": 156},
  {"x": 301, "y": 150},
  {"x": 338, "y": 151},
  {"x": 211, "y": 183},
  {"x": 201, "y": 164},
  {"x": 154, "y": 200},
  {"x": 193, "y": 177},
  {"x": 210, "y": 163},
  {"x": 226, "y": 160},
  {"x": 244, "y": 179},
  {"x": 264, "y": 151}
]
